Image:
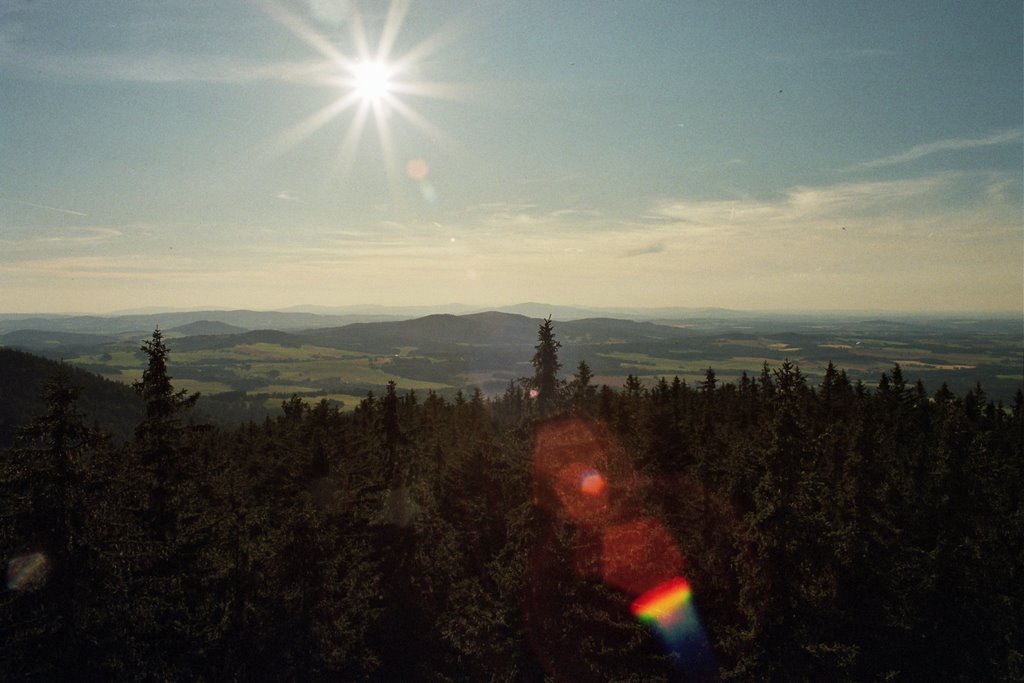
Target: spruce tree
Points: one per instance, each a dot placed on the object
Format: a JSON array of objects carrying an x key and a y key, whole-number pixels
[
  {"x": 545, "y": 365},
  {"x": 582, "y": 393},
  {"x": 171, "y": 519},
  {"x": 160, "y": 437},
  {"x": 52, "y": 528}
]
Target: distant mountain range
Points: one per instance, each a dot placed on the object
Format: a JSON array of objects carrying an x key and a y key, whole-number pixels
[
  {"x": 190, "y": 323},
  {"x": 204, "y": 327},
  {"x": 273, "y": 353}
]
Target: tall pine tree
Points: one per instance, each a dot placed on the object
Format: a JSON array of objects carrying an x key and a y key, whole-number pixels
[{"x": 545, "y": 365}]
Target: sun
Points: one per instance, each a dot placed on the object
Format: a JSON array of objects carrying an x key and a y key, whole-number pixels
[
  {"x": 373, "y": 84},
  {"x": 371, "y": 80}
]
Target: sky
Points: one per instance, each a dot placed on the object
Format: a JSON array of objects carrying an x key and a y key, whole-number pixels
[{"x": 758, "y": 156}]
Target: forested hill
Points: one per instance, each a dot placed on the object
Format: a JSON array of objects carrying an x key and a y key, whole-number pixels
[
  {"x": 273, "y": 355},
  {"x": 492, "y": 329},
  {"x": 433, "y": 331},
  {"x": 769, "y": 529},
  {"x": 22, "y": 377}
]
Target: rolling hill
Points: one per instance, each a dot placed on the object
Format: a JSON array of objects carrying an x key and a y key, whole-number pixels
[
  {"x": 22, "y": 378},
  {"x": 446, "y": 352}
]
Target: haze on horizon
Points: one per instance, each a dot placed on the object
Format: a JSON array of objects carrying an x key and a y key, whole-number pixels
[{"x": 246, "y": 154}]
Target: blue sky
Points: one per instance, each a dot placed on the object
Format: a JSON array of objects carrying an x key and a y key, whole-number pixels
[{"x": 785, "y": 156}]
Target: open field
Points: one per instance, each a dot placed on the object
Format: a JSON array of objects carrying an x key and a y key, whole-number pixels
[
  {"x": 961, "y": 360},
  {"x": 447, "y": 353},
  {"x": 274, "y": 370}
]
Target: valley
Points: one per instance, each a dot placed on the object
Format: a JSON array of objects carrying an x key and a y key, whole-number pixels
[{"x": 315, "y": 358}]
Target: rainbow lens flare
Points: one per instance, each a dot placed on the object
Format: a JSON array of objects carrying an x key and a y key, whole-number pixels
[
  {"x": 668, "y": 609},
  {"x": 26, "y": 572},
  {"x": 582, "y": 475},
  {"x": 664, "y": 604}
]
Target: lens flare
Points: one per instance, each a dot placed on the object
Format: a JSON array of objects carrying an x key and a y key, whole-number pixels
[
  {"x": 417, "y": 169},
  {"x": 668, "y": 609},
  {"x": 664, "y": 604},
  {"x": 428, "y": 191},
  {"x": 592, "y": 483},
  {"x": 374, "y": 85},
  {"x": 28, "y": 571},
  {"x": 371, "y": 80},
  {"x": 639, "y": 554}
]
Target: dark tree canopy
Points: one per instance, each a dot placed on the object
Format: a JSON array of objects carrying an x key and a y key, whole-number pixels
[{"x": 836, "y": 532}]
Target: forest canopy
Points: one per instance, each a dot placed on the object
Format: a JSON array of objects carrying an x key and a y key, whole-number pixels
[{"x": 767, "y": 529}]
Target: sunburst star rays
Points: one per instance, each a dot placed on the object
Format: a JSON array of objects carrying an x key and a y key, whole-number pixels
[{"x": 373, "y": 86}]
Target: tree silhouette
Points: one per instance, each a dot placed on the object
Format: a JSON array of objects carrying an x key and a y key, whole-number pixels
[
  {"x": 159, "y": 438},
  {"x": 582, "y": 393},
  {"x": 46, "y": 510},
  {"x": 545, "y": 365}
]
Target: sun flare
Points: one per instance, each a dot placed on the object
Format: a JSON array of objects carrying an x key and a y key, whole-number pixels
[
  {"x": 371, "y": 81},
  {"x": 375, "y": 87}
]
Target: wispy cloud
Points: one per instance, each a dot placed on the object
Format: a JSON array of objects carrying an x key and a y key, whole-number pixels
[
  {"x": 552, "y": 180},
  {"x": 1005, "y": 137},
  {"x": 30, "y": 48},
  {"x": 45, "y": 207},
  {"x": 22, "y": 241},
  {"x": 654, "y": 248},
  {"x": 164, "y": 67},
  {"x": 502, "y": 218},
  {"x": 865, "y": 215},
  {"x": 860, "y": 244},
  {"x": 80, "y": 235},
  {"x": 287, "y": 196},
  {"x": 570, "y": 213},
  {"x": 97, "y": 266},
  {"x": 948, "y": 219}
]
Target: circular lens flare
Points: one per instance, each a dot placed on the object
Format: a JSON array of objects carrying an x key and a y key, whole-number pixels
[
  {"x": 592, "y": 483},
  {"x": 26, "y": 572},
  {"x": 417, "y": 169}
]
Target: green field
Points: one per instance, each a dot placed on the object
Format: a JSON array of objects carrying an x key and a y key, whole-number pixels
[
  {"x": 343, "y": 369},
  {"x": 313, "y": 372},
  {"x": 264, "y": 352}
]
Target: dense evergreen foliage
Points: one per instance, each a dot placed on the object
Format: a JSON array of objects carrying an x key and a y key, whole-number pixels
[
  {"x": 832, "y": 532},
  {"x": 23, "y": 377}
]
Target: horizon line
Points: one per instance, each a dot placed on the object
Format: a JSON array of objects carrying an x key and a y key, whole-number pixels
[{"x": 470, "y": 309}]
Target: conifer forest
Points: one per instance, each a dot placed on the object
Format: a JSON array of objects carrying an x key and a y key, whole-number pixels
[{"x": 770, "y": 529}]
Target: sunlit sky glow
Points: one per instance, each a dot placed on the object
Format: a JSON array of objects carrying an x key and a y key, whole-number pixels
[{"x": 745, "y": 155}]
